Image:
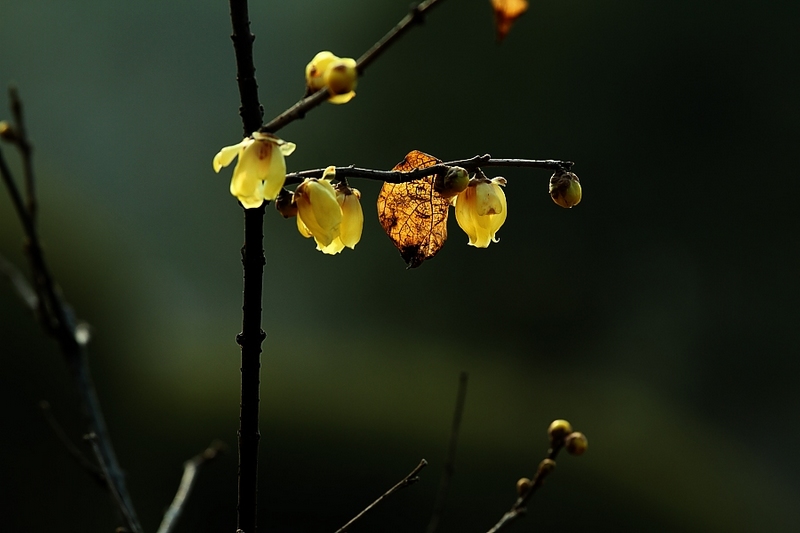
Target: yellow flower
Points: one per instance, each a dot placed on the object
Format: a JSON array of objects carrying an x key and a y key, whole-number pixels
[
  {"x": 261, "y": 170},
  {"x": 481, "y": 210},
  {"x": 351, "y": 222},
  {"x": 319, "y": 214},
  {"x": 338, "y": 74}
]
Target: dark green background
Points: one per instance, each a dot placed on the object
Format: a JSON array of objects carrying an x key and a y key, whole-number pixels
[{"x": 659, "y": 316}]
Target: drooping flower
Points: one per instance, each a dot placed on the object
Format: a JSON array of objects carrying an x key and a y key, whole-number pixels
[
  {"x": 261, "y": 169},
  {"x": 338, "y": 74},
  {"x": 481, "y": 210},
  {"x": 352, "y": 220},
  {"x": 319, "y": 214}
]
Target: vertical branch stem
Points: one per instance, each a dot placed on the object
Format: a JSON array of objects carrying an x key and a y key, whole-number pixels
[{"x": 253, "y": 261}]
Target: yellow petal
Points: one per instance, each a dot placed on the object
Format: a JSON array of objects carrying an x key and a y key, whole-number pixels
[
  {"x": 333, "y": 248},
  {"x": 225, "y": 156},
  {"x": 487, "y": 201},
  {"x": 286, "y": 147},
  {"x": 352, "y": 218},
  {"x": 319, "y": 210},
  {"x": 342, "y": 98},
  {"x": 275, "y": 174},
  {"x": 315, "y": 70},
  {"x": 465, "y": 206},
  {"x": 302, "y": 228}
]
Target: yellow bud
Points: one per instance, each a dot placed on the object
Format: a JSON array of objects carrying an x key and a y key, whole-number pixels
[
  {"x": 452, "y": 182},
  {"x": 546, "y": 467},
  {"x": 576, "y": 443},
  {"x": 285, "y": 204},
  {"x": 558, "y": 430},
  {"x": 7, "y": 132},
  {"x": 565, "y": 189},
  {"x": 523, "y": 484},
  {"x": 341, "y": 77}
]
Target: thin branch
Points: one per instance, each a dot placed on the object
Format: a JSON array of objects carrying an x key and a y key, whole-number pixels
[
  {"x": 20, "y": 284},
  {"x": 92, "y": 469},
  {"x": 395, "y": 176},
  {"x": 58, "y": 320},
  {"x": 519, "y": 508},
  {"x": 449, "y": 464},
  {"x": 253, "y": 261},
  {"x": 26, "y": 150},
  {"x": 410, "y": 479},
  {"x": 190, "y": 470},
  {"x": 304, "y": 105}
]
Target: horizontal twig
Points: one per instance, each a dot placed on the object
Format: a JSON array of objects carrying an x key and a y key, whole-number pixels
[
  {"x": 406, "y": 481},
  {"x": 395, "y": 176}
]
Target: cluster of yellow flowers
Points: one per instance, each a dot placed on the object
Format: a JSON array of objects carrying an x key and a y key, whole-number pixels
[{"x": 332, "y": 215}]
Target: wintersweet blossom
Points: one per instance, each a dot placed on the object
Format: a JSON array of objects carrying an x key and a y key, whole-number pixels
[
  {"x": 261, "y": 169},
  {"x": 319, "y": 214},
  {"x": 481, "y": 210},
  {"x": 338, "y": 74}
]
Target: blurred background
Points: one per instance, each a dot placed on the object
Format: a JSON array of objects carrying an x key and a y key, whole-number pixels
[{"x": 659, "y": 316}]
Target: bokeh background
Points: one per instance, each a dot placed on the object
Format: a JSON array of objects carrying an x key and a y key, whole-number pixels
[{"x": 659, "y": 316}]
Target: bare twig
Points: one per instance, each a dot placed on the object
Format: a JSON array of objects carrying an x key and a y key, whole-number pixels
[
  {"x": 58, "y": 320},
  {"x": 519, "y": 508},
  {"x": 299, "y": 110},
  {"x": 26, "y": 150},
  {"x": 410, "y": 479},
  {"x": 92, "y": 469},
  {"x": 449, "y": 463},
  {"x": 20, "y": 284},
  {"x": 190, "y": 471},
  {"x": 395, "y": 176}
]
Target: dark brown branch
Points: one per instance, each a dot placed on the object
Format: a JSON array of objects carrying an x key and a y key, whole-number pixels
[
  {"x": 74, "y": 452},
  {"x": 299, "y": 109},
  {"x": 394, "y": 176},
  {"x": 190, "y": 470},
  {"x": 519, "y": 508},
  {"x": 58, "y": 320},
  {"x": 410, "y": 479},
  {"x": 449, "y": 463},
  {"x": 253, "y": 261},
  {"x": 26, "y": 150}
]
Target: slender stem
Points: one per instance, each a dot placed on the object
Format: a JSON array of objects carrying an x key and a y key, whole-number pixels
[
  {"x": 26, "y": 149},
  {"x": 73, "y": 450},
  {"x": 299, "y": 109},
  {"x": 58, "y": 320},
  {"x": 253, "y": 261},
  {"x": 395, "y": 176},
  {"x": 190, "y": 470},
  {"x": 519, "y": 509},
  {"x": 403, "y": 483},
  {"x": 449, "y": 464}
]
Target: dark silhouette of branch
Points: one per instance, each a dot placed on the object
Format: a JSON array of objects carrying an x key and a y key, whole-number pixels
[
  {"x": 416, "y": 15},
  {"x": 253, "y": 261},
  {"x": 190, "y": 470},
  {"x": 410, "y": 479},
  {"x": 19, "y": 283},
  {"x": 27, "y": 152},
  {"x": 449, "y": 463},
  {"x": 395, "y": 176},
  {"x": 519, "y": 509},
  {"x": 58, "y": 320},
  {"x": 73, "y": 450}
]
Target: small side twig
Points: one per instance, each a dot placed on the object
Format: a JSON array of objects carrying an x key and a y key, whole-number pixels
[
  {"x": 449, "y": 463},
  {"x": 73, "y": 450},
  {"x": 190, "y": 471},
  {"x": 304, "y": 105},
  {"x": 410, "y": 479},
  {"x": 395, "y": 176}
]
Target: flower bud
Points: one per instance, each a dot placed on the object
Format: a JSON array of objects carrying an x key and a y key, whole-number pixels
[
  {"x": 452, "y": 182},
  {"x": 546, "y": 467},
  {"x": 576, "y": 443},
  {"x": 341, "y": 77},
  {"x": 523, "y": 484},
  {"x": 558, "y": 430},
  {"x": 7, "y": 132},
  {"x": 565, "y": 189},
  {"x": 285, "y": 204}
]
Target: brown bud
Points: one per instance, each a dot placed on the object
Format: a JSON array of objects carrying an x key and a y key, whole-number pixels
[
  {"x": 576, "y": 443},
  {"x": 285, "y": 205},
  {"x": 546, "y": 467},
  {"x": 558, "y": 430},
  {"x": 7, "y": 132},
  {"x": 565, "y": 189},
  {"x": 523, "y": 484}
]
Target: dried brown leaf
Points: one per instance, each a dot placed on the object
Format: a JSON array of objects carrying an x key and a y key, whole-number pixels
[
  {"x": 505, "y": 13},
  {"x": 413, "y": 215}
]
